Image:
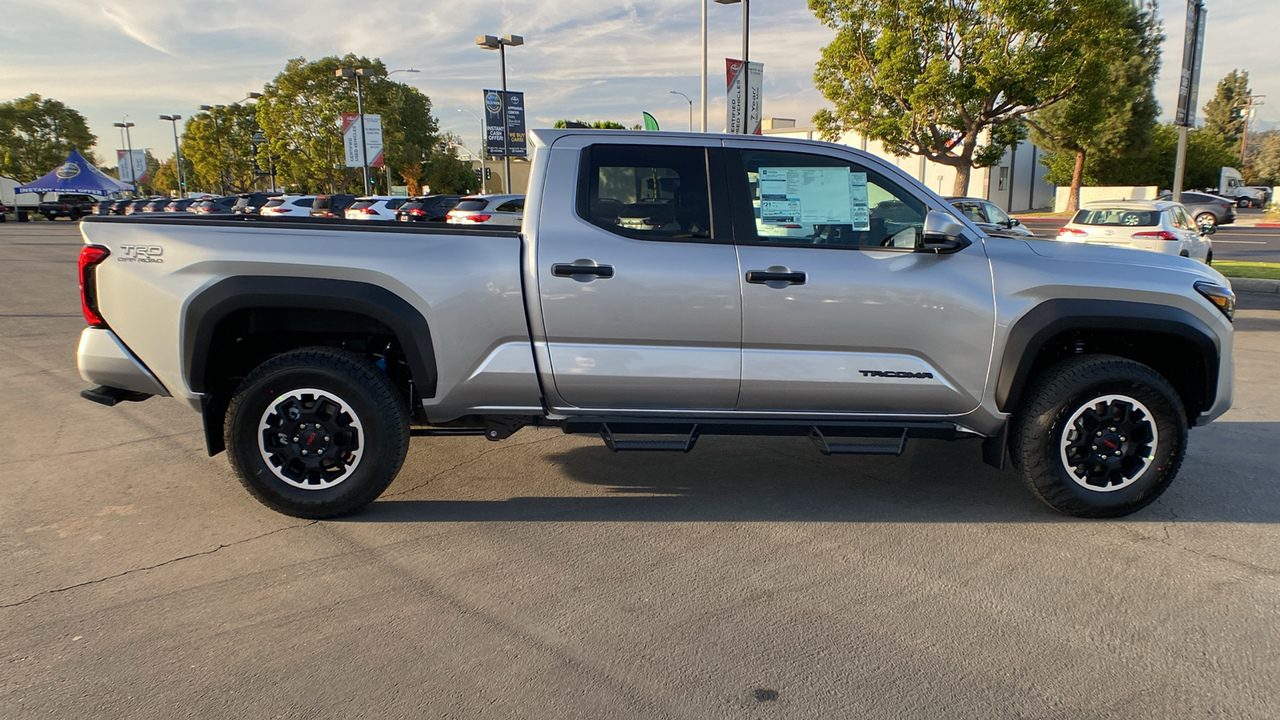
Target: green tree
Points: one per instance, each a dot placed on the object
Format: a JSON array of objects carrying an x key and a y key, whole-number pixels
[
  {"x": 595, "y": 125},
  {"x": 1224, "y": 114},
  {"x": 164, "y": 181},
  {"x": 1265, "y": 158},
  {"x": 445, "y": 172},
  {"x": 300, "y": 115},
  {"x": 952, "y": 79},
  {"x": 1152, "y": 164},
  {"x": 1112, "y": 117},
  {"x": 219, "y": 145},
  {"x": 37, "y": 134}
]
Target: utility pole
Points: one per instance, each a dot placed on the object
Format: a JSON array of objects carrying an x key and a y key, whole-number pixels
[{"x": 1250, "y": 102}]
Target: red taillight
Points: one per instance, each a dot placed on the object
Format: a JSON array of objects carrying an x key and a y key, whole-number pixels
[
  {"x": 90, "y": 256},
  {"x": 1072, "y": 232},
  {"x": 65, "y": 208},
  {"x": 1160, "y": 235},
  {"x": 417, "y": 211},
  {"x": 367, "y": 211},
  {"x": 477, "y": 218}
]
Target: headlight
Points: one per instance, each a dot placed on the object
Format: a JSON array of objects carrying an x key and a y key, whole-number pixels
[{"x": 1222, "y": 298}]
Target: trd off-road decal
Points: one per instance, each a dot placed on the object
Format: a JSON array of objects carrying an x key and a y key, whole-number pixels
[{"x": 141, "y": 253}]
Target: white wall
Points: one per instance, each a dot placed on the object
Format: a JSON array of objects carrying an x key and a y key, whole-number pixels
[{"x": 1105, "y": 192}]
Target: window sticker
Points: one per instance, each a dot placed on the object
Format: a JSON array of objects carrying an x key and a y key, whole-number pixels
[{"x": 813, "y": 195}]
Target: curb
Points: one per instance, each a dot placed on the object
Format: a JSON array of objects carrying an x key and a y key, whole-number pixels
[
  {"x": 1257, "y": 285},
  {"x": 1267, "y": 224}
]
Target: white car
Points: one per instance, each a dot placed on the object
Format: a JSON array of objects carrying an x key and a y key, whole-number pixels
[
  {"x": 375, "y": 207},
  {"x": 488, "y": 210},
  {"x": 288, "y": 206},
  {"x": 1155, "y": 225}
]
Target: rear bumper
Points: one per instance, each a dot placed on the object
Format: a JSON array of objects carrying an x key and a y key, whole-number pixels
[{"x": 104, "y": 360}]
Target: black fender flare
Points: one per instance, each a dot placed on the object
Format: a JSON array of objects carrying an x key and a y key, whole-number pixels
[
  {"x": 207, "y": 309},
  {"x": 1050, "y": 318}
]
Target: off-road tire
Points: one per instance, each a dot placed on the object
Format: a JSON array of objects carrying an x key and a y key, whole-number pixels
[
  {"x": 356, "y": 413},
  {"x": 1041, "y": 438}
]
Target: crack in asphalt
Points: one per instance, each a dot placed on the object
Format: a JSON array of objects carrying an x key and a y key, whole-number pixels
[{"x": 170, "y": 561}]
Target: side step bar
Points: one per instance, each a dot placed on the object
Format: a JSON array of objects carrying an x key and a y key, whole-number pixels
[
  {"x": 881, "y": 438},
  {"x": 112, "y": 396},
  {"x": 829, "y": 448}
]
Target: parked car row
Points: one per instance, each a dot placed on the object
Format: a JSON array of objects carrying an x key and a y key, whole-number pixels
[{"x": 505, "y": 210}]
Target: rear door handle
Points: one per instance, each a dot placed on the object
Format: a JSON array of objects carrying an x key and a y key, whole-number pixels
[
  {"x": 572, "y": 270},
  {"x": 760, "y": 277}
]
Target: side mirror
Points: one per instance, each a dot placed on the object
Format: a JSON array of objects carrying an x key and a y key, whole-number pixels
[
  {"x": 941, "y": 233},
  {"x": 1208, "y": 228},
  {"x": 1014, "y": 222}
]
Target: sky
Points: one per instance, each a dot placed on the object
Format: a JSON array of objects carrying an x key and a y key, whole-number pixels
[{"x": 582, "y": 59}]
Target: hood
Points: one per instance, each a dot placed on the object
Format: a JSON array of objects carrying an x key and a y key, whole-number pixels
[{"x": 1082, "y": 252}]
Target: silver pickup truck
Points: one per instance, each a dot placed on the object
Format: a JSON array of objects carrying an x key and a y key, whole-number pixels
[{"x": 663, "y": 286}]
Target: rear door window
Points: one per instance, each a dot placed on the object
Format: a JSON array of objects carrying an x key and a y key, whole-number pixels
[
  {"x": 646, "y": 191},
  {"x": 511, "y": 206}
]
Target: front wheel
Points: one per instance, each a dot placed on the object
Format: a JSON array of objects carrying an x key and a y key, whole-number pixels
[
  {"x": 317, "y": 432},
  {"x": 1099, "y": 436}
]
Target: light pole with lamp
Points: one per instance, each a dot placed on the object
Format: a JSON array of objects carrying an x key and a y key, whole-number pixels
[
  {"x": 217, "y": 139},
  {"x": 686, "y": 97},
  {"x": 217, "y": 136},
  {"x": 484, "y": 180},
  {"x": 133, "y": 175},
  {"x": 746, "y": 34},
  {"x": 364, "y": 158},
  {"x": 704, "y": 65},
  {"x": 177, "y": 154},
  {"x": 490, "y": 42}
]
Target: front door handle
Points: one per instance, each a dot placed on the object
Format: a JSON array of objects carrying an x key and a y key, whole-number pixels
[
  {"x": 574, "y": 270},
  {"x": 762, "y": 277}
]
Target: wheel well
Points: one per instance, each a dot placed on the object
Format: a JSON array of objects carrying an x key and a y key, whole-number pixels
[
  {"x": 1177, "y": 359},
  {"x": 248, "y": 337}
]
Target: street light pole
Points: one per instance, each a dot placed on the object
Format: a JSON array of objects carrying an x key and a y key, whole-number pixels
[
  {"x": 133, "y": 175},
  {"x": 484, "y": 180},
  {"x": 364, "y": 157},
  {"x": 490, "y": 42},
  {"x": 686, "y": 97},
  {"x": 704, "y": 65},
  {"x": 177, "y": 153},
  {"x": 746, "y": 35}
]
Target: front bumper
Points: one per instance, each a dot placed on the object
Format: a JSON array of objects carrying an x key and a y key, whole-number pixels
[{"x": 104, "y": 360}]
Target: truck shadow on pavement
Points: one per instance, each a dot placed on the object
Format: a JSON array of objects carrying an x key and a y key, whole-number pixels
[{"x": 1228, "y": 477}]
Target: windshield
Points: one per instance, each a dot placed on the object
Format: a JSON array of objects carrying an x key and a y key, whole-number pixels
[{"x": 1117, "y": 216}]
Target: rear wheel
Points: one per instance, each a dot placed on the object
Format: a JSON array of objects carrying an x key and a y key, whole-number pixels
[
  {"x": 1205, "y": 218},
  {"x": 317, "y": 433},
  {"x": 1099, "y": 436}
]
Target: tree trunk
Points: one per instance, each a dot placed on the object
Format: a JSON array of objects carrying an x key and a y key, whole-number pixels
[
  {"x": 1077, "y": 178},
  {"x": 961, "y": 186}
]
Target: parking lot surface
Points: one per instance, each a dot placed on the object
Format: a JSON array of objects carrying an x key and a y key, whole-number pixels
[{"x": 543, "y": 577}]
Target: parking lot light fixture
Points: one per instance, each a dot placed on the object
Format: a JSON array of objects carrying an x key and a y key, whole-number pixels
[
  {"x": 177, "y": 153},
  {"x": 746, "y": 35},
  {"x": 484, "y": 180},
  {"x": 489, "y": 42},
  {"x": 686, "y": 98},
  {"x": 133, "y": 176},
  {"x": 358, "y": 73}
]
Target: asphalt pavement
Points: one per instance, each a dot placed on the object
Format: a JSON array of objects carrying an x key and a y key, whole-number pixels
[
  {"x": 1231, "y": 242},
  {"x": 543, "y": 577}
]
